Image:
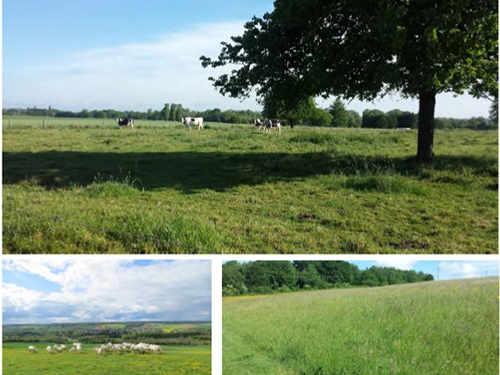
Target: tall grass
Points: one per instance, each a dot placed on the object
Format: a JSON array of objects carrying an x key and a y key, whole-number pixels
[
  {"x": 174, "y": 360},
  {"x": 231, "y": 189},
  {"x": 434, "y": 328}
]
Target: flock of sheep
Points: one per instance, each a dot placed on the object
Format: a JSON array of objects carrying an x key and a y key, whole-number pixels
[
  {"x": 77, "y": 347},
  {"x": 141, "y": 348}
]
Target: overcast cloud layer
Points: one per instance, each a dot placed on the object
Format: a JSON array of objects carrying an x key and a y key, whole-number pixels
[
  {"x": 164, "y": 70},
  {"x": 105, "y": 290}
]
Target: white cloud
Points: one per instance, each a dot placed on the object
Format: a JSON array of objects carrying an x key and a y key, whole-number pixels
[
  {"x": 110, "y": 290},
  {"x": 401, "y": 264},
  {"x": 466, "y": 270},
  {"x": 18, "y": 298},
  {"x": 165, "y": 70},
  {"x": 132, "y": 76}
]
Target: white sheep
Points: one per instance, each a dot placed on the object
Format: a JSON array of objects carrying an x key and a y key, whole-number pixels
[
  {"x": 49, "y": 349},
  {"x": 33, "y": 349}
]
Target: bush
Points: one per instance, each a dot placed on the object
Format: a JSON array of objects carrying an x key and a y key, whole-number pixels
[
  {"x": 320, "y": 117},
  {"x": 353, "y": 119},
  {"x": 374, "y": 119}
]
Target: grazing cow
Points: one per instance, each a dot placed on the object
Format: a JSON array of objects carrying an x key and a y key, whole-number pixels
[
  {"x": 273, "y": 124},
  {"x": 33, "y": 349},
  {"x": 259, "y": 124},
  {"x": 188, "y": 121},
  {"x": 122, "y": 122},
  {"x": 49, "y": 349}
]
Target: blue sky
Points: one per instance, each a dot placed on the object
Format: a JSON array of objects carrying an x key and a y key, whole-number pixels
[
  {"x": 138, "y": 55},
  {"x": 447, "y": 269},
  {"x": 95, "y": 290}
]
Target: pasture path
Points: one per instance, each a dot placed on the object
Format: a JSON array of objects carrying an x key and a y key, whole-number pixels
[
  {"x": 249, "y": 359},
  {"x": 229, "y": 189}
]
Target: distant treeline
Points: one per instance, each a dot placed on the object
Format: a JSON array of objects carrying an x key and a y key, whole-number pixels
[
  {"x": 170, "y": 112},
  {"x": 399, "y": 119},
  {"x": 335, "y": 116},
  {"x": 263, "y": 277},
  {"x": 67, "y": 333},
  {"x": 374, "y": 118}
]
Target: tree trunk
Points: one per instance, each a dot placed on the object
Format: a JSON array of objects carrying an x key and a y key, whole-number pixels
[{"x": 427, "y": 104}]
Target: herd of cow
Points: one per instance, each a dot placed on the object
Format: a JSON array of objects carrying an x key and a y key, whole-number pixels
[
  {"x": 141, "y": 348},
  {"x": 265, "y": 124}
]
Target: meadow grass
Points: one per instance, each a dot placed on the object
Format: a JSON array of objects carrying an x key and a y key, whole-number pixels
[
  {"x": 174, "y": 360},
  {"x": 433, "y": 328},
  {"x": 77, "y": 187}
]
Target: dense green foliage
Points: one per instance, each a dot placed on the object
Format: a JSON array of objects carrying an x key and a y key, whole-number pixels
[
  {"x": 176, "y": 360},
  {"x": 365, "y": 49},
  {"x": 161, "y": 333},
  {"x": 433, "y": 328},
  {"x": 340, "y": 117},
  {"x": 353, "y": 119},
  {"x": 494, "y": 112},
  {"x": 276, "y": 276},
  {"x": 79, "y": 187},
  {"x": 305, "y": 114}
]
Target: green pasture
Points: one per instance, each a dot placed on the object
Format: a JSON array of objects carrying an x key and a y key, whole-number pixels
[
  {"x": 77, "y": 187},
  {"x": 50, "y": 122},
  {"x": 17, "y": 360},
  {"x": 432, "y": 328}
]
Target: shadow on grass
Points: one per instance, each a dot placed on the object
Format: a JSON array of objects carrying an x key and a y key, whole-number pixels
[{"x": 191, "y": 171}]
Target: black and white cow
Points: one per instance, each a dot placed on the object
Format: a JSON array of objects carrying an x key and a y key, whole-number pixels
[
  {"x": 259, "y": 124},
  {"x": 122, "y": 122},
  {"x": 273, "y": 124},
  {"x": 188, "y": 121}
]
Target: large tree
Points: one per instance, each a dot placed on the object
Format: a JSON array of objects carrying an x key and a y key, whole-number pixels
[
  {"x": 365, "y": 49},
  {"x": 339, "y": 113}
]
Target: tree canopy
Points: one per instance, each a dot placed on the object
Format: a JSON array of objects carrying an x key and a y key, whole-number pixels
[
  {"x": 284, "y": 276},
  {"x": 365, "y": 49},
  {"x": 339, "y": 113}
]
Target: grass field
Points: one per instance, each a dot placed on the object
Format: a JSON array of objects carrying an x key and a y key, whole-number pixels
[
  {"x": 175, "y": 361},
  {"x": 433, "y": 328},
  {"x": 77, "y": 186}
]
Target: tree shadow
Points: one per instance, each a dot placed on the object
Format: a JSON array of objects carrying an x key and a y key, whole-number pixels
[{"x": 192, "y": 171}]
